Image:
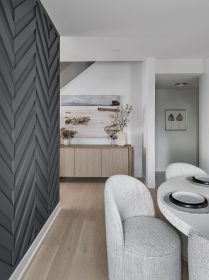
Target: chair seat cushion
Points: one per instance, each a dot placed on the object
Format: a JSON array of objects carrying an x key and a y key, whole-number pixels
[{"x": 149, "y": 237}]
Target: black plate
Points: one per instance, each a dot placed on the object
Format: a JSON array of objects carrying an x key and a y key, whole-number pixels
[
  {"x": 199, "y": 181},
  {"x": 188, "y": 205}
]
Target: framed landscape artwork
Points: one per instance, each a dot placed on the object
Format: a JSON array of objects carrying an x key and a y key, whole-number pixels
[
  {"x": 88, "y": 114},
  {"x": 175, "y": 119}
]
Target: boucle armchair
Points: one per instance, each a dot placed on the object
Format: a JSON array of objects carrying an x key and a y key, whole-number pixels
[
  {"x": 181, "y": 169},
  {"x": 198, "y": 256},
  {"x": 139, "y": 246}
]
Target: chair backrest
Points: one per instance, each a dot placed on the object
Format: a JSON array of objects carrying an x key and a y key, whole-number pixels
[
  {"x": 180, "y": 169},
  {"x": 131, "y": 197},
  {"x": 198, "y": 257},
  {"x": 125, "y": 197}
]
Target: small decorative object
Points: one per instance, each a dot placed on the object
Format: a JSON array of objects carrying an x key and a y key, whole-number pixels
[
  {"x": 121, "y": 138},
  {"x": 67, "y": 135},
  {"x": 112, "y": 131},
  {"x": 175, "y": 119},
  {"x": 113, "y": 137},
  {"x": 66, "y": 141},
  {"x": 120, "y": 120}
]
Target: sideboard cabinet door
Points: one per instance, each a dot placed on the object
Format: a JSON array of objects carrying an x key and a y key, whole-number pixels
[
  {"x": 88, "y": 162},
  {"x": 115, "y": 161},
  {"x": 67, "y": 162}
]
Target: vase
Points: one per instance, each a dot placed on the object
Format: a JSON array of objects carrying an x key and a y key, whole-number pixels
[
  {"x": 67, "y": 142},
  {"x": 121, "y": 138}
]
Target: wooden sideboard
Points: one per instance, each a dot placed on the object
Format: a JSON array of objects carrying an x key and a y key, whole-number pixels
[{"x": 95, "y": 160}]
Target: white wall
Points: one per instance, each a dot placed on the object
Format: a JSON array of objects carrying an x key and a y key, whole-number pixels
[
  {"x": 102, "y": 78},
  {"x": 204, "y": 119},
  {"x": 176, "y": 146},
  {"x": 180, "y": 66},
  {"x": 148, "y": 112},
  {"x": 115, "y": 78},
  {"x": 136, "y": 123}
]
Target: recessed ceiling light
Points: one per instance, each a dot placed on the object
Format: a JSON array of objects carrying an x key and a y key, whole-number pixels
[{"x": 184, "y": 84}]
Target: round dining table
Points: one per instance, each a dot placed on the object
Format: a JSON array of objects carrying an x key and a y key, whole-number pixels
[{"x": 183, "y": 221}]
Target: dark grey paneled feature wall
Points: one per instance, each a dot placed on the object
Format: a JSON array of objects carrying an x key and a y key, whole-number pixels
[{"x": 29, "y": 126}]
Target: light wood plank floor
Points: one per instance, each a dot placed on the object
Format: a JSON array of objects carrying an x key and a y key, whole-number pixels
[{"x": 75, "y": 248}]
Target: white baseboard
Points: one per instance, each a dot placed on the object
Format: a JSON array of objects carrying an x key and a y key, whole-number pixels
[{"x": 22, "y": 266}]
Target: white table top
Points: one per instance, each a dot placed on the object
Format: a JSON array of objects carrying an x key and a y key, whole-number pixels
[{"x": 183, "y": 221}]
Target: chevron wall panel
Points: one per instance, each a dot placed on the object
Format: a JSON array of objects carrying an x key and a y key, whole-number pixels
[
  {"x": 42, "y": 125},
  {"x": 54, "y": 107},
  {"x": 25, "y": 121},
  {"x": 7, "y": 122},
  {"x": 29, "y": 126}
]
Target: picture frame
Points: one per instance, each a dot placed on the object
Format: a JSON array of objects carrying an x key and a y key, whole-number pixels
[
  {"x": 88, "y": 115},
  {"x": 175, "y": 120}
]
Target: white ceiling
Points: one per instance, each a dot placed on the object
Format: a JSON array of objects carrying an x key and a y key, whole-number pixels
[
  {"x": 168, "y": 81},
  {"x": 159, "y": 28}
]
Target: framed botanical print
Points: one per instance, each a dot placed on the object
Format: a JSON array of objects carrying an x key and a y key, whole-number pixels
[{"x": 175, "y": 119}]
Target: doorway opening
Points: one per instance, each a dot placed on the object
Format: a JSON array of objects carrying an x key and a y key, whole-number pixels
[{"x": 177, "y": 121}]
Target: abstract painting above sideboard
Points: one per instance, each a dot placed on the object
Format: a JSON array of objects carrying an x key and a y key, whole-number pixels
[{"x": 88, "y": 114}]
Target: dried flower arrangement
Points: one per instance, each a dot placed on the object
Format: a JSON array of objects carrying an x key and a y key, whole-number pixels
[
  {"x": 121, "y": 117},
  {"x": 77, "y": 121},
  {"x": 111, "y": 130},
  {"x": 67, "y": 134}
]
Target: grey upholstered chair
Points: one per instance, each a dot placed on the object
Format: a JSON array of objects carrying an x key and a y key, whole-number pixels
[
  {"x": 198, "y": 257},
  {"x": 180, "y": 169},
  {"x": 139, "y": 246}
]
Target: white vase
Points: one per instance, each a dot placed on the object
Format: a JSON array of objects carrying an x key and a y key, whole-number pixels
[
  {"x": 67, "y": 142},
  {"x": 121, "y": 138}
]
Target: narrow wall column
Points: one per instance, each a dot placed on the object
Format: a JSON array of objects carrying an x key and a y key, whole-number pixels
[{"x": 148, "y": 107}]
